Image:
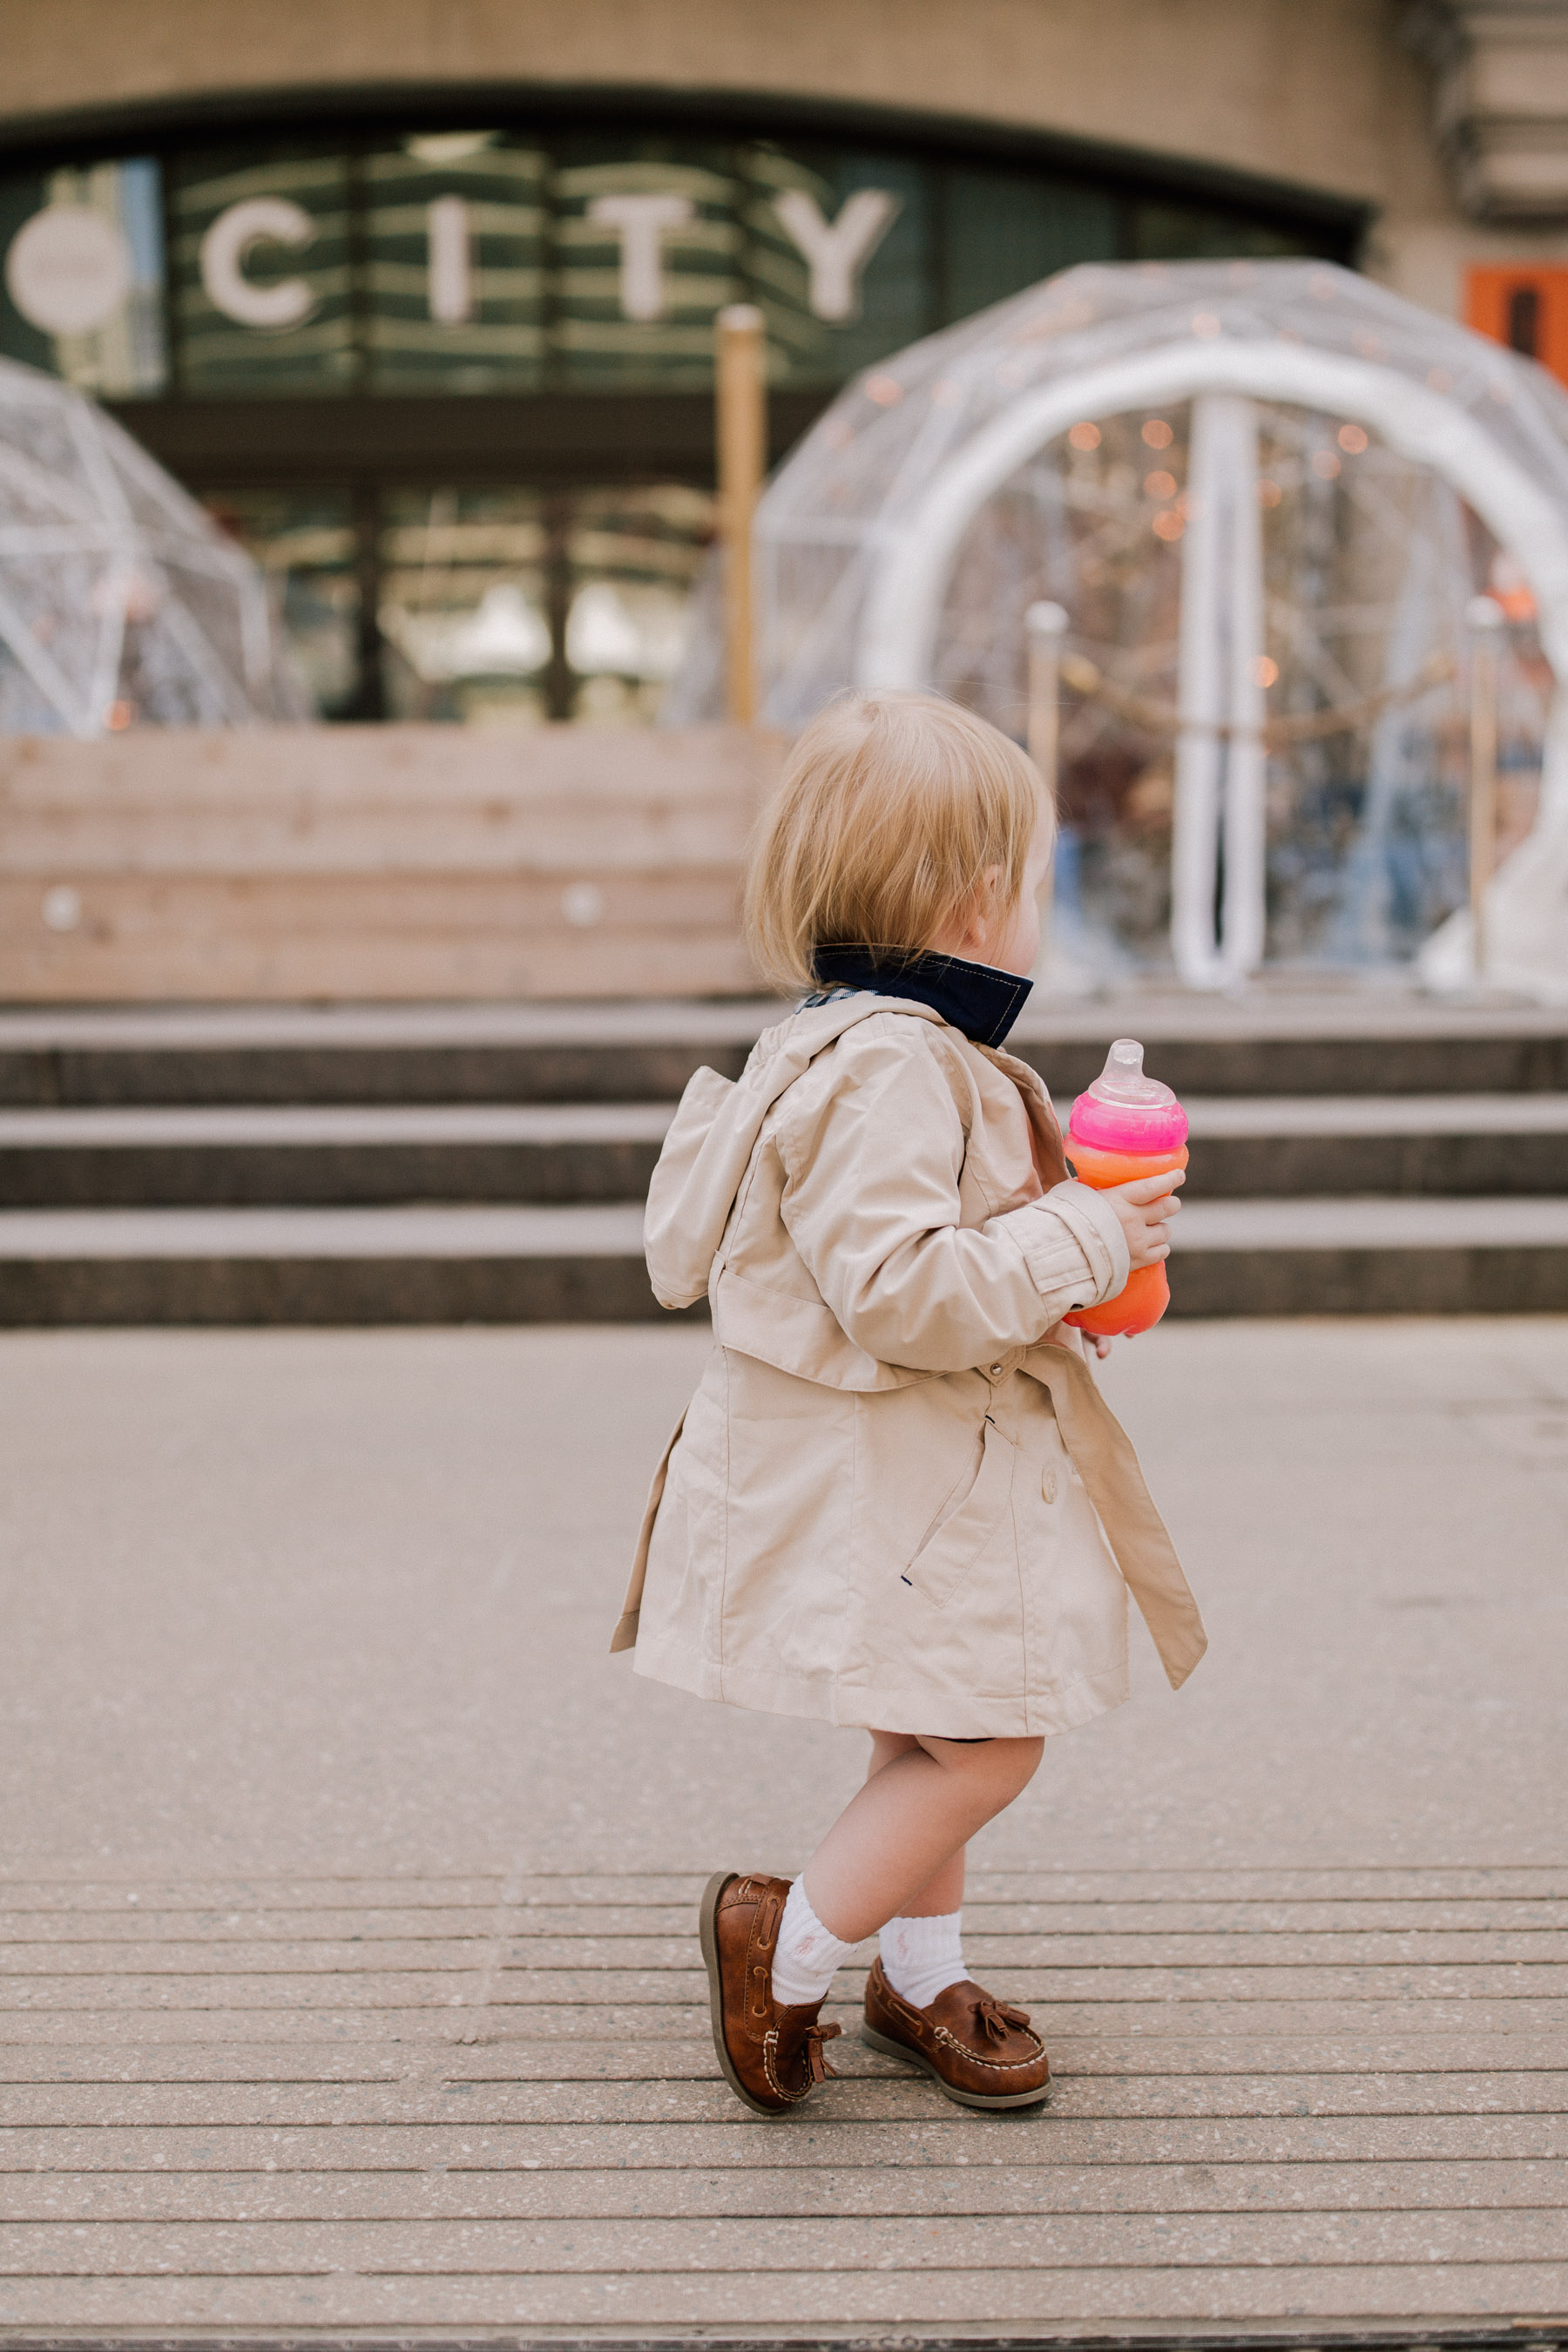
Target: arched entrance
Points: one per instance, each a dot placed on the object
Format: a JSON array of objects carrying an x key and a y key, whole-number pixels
[
  {"x": 1221, "y": 628},
  {"x": 868, "y": 574}
]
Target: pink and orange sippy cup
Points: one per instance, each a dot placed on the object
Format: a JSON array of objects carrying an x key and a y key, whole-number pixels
[{"x": 1126, "y": 1126}]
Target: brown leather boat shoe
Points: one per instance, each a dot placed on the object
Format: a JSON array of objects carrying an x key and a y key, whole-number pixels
[
  {"x": 770, "y": 2055},
  {"x": 977, "y": 2050}
]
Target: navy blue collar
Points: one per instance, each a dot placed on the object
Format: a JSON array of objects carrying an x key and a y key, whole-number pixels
[{"x": 973, "y": 997}]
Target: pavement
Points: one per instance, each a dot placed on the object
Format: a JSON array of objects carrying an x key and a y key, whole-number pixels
[{"x": 350, "y": 1981}]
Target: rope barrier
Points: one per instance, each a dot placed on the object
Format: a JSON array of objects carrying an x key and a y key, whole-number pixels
[{"x": 1164, "y": 717}]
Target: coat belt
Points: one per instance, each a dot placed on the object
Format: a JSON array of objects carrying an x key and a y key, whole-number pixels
[{"x": 1102, "y": 1453}]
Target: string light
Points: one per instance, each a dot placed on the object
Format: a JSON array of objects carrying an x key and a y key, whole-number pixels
[
  {"x": 1085, "y": 436},
  {"x": 1157, "y": 433}
]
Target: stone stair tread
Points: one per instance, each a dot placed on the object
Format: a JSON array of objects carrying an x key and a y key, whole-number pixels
[
  {"x": 1276, "y": 1012},
  {"x": 1283, "y": 1115},
  {"x": 480, "y": 1231},
  {"x": 98, "y": 1127},
  {"x": 1151, "y": 1013},
  {"x": 1406, "y": 1223},
  {"x": 615, "y": 1230},
  {"x": 618, "y": 1021}
]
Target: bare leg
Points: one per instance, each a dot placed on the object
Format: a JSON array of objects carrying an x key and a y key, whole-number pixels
[
  {"x": 943, "y": 1891},
  {"x": 900, "y": 1841}
]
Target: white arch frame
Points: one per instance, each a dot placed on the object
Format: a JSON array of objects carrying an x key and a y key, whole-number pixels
[{"x": 911, "y": 562}]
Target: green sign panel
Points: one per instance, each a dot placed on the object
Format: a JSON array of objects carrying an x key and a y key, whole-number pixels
[{"x": 493, "y": 262}]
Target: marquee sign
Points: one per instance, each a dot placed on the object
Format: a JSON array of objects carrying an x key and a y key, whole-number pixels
[
  {"x": 464, "y": 261},
  {"x": 576, "y": 258}
]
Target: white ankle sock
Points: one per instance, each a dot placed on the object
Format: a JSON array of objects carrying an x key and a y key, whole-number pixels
[
  {"x": 920, "y": 1957},
  {"x": 807, "y": 1956}
]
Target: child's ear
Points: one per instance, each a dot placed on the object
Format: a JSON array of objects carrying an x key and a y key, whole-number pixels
[{"x": 987, "y": 902}]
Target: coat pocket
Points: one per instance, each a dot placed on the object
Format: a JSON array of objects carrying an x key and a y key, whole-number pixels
[{"x": 951, "y": 1549}]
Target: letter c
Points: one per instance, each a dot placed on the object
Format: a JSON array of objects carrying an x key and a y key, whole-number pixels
[{"x": 227, "y": 246}]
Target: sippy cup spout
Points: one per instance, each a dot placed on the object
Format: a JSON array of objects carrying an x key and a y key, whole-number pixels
[
  {"x": 1123, "y": 1063},
  {"x": 1122, "y": 1079}
]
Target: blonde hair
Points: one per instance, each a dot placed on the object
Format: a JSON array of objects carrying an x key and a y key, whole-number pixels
[{"x": 892, "y": 808}]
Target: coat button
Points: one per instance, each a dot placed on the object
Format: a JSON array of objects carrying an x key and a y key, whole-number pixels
[
  {"x": 995, "y": 1371},
  {"x": 1048, "y": 1485}
]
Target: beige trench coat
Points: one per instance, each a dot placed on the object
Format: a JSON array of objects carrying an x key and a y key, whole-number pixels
[{"x": 897, "y": 1499}]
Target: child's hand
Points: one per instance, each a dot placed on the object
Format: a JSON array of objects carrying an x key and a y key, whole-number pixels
[{"x": 1144, "y": 1207}]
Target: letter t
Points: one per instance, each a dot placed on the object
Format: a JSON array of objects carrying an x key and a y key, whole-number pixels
[{"x": 641, "y": 223}]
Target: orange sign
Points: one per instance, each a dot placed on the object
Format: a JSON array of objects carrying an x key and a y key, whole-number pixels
[{"x": 1526, "y": 308}]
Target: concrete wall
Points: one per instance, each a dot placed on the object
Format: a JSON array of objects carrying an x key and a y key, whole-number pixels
[{"x": 1324, "y": 92}]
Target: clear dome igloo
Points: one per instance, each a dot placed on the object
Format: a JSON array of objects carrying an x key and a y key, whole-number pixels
[
  {"x": 1265, "y": 493},
  {"x": 121, "y": 601}
]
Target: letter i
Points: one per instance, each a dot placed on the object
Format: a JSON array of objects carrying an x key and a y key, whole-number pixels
[{"x": 451, "y": 278}]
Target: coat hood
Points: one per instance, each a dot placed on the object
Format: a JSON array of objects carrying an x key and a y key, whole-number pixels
[{"x": 714, "y": 1133}]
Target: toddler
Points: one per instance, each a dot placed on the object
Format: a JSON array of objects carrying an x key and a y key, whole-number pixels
[{"x": 897, "y": 1499}]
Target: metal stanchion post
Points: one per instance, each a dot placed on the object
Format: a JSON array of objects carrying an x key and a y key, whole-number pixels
[
  {"x": 1044, "y": 627},
  {"x": 1485, "y": 618},
  {"x": 741, "y": 389}
]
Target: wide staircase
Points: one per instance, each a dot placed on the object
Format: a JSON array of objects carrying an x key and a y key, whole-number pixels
[{"x": 486, "y": 1163}]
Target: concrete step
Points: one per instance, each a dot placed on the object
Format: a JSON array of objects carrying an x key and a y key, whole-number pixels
[
  {"x": 251, "y": 1055},
  {"x": 1286, "y": 1147},
  {"x": 328, "y": 1155},
  {"x": 1371, "y": 1256},
  {"x": 318, "y": 1155},
  {"x": 645, "y": 1051},
  {"x": 286, "y": 1265},
  {"x": 548, "y": 1265}
]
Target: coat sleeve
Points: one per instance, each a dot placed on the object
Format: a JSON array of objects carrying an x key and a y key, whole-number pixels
[{"x": 872, "y": 1159}]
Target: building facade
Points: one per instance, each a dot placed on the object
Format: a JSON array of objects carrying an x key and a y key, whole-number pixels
[{"x": 419, "y": 301}]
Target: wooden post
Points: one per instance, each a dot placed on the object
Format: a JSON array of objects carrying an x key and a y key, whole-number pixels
[
  {"x": 742, "y": 423},
  {"x": 1485, "y": 618}
]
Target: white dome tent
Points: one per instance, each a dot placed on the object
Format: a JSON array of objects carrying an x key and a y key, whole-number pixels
[
  {"x": 121, "y": 601},
  {"x": 1266, "y": 494}
]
